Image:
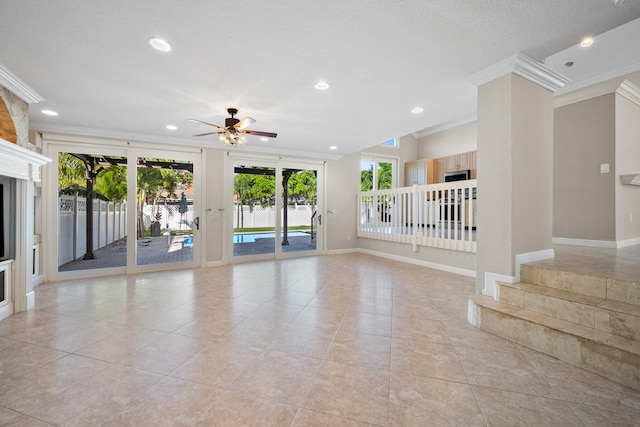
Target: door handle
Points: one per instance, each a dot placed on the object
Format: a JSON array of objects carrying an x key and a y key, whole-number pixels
[
  {"x": 196, "y": 221},
  {"x": 320, "y": 219}
]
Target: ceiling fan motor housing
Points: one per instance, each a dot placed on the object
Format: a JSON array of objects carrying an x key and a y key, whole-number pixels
[{"x": 231, "y": 121}]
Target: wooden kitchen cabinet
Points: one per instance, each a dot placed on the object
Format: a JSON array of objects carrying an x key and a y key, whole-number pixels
[
  {"x": 473, "y": 155},
  {"x": 457, "y": 162},
  {"x": 441, "y": 168},
  {"x": 419, "y": 172}
]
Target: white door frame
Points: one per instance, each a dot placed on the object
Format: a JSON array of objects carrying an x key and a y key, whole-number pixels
[
  {"x": 56, "y": 143},
  {"x": 278, "y": 163}
]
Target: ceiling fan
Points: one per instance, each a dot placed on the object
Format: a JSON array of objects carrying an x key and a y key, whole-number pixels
[{"x": 234, "y": 130}]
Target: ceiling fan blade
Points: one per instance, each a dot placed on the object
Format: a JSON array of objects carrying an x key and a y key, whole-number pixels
[
  {"x": 205, "y": 123},
  {"x": 244, "y": 123},
  {"x": 208, "y": 133},
  {"x": 259, "y": 133}
]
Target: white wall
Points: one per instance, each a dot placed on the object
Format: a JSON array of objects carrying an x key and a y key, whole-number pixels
[
  {"x": 460, "y": 139},
  {"x": 627, "y": 161}
]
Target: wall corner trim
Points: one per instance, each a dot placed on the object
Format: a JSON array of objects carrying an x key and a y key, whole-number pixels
[{"x": 525, "y": 67}]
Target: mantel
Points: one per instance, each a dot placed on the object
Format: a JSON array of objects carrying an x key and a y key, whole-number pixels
[{"x": 19, "y": 162}]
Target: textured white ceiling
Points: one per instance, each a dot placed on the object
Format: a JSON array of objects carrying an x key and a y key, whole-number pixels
[{"x": 91, "y": 62}]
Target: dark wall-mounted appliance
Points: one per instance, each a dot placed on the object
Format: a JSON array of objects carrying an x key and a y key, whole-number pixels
[{"x": 462, "y": 175}]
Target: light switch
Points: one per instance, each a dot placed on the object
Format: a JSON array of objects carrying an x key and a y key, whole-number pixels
[{"x": 604, "y": 168}]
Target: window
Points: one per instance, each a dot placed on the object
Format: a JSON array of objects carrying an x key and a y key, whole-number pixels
[
  {"x": 393, "y": 142},
  {"x": 377, "y": 173}
]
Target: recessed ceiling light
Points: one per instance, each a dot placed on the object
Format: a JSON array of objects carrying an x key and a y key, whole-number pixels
[
  {"x": 49, "y": 112},
  {"x": 172, "y": 127},
  {"x": 417, "y": 110},
  {"x": 322, "y": 86},
  {"x": 586, "y": 42},
  {"x": 264, "y": 139},
  {"x": 333, "y": 147},
  {"x": 160, "y": 44}
]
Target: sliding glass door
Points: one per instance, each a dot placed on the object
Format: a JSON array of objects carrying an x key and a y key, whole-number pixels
[
  {"x": 276, "y": 209},
  {"x": 120, "y": 210}
]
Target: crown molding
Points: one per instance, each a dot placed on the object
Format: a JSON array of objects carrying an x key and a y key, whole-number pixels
[
  {"x": 624, "y": 88},
  {"x": 525, "y": 67},
  {"x": 629, "y": 91},
  {"x": 183, "y": 143},
  {"x": 18, "y": 87},
  {"x": 586, "y": 93}
]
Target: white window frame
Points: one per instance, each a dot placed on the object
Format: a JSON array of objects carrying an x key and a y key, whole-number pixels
[{"x": 376, "y": 158}]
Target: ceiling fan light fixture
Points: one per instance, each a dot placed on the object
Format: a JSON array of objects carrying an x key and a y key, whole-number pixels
[{"x": 160, "y": 44}]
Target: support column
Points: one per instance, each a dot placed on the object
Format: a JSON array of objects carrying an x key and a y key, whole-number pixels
[{"x": 515, "y": 168}]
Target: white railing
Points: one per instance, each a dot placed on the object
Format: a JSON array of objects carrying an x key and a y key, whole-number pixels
[{"x": 434, "y": 215}]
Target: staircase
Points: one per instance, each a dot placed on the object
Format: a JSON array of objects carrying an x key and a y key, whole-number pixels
[{"x": 587, "y": 321}]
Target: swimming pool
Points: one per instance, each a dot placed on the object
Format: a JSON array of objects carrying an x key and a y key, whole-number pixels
[{"x": 251, "y": 237}]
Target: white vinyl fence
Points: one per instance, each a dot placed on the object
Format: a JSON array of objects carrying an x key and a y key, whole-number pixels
[
  {"x": 109, "y": 225},
  {"x": 261, "y": 217},
  {"x": 170, "y": 216}
]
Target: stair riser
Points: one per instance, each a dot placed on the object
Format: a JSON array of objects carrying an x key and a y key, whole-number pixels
[
  {"x": 570, "y": 311},
  {"x": 615, "y": 364},
  {"x": 614, "y": 322},
  {"x": 613, "y": 289}
]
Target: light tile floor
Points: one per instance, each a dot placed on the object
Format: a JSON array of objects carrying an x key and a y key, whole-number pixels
[{"x": 341, "y": 340}]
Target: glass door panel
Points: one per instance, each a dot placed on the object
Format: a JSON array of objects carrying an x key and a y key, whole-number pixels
[
  {"x": 165, "y": 220},
  {"x": 254, "y": 210},
  {"x": 299, "y": 210},
  {"x": 92, "y": 219}
]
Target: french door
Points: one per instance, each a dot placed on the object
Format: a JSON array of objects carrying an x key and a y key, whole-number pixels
[
  {"x": 276, "y": 209},
  {"x": 117, "y": 210}
]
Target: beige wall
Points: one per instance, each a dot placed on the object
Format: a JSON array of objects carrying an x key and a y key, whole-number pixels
[
  {"x": 627, "y": 161},
  {"x": 515, "y": 148},
  {"x": 460, "y": 139},
  {"x": 583, "y": 198},
  {"x": 213, "y": 202},
  {"x": 342, "y": 187}
]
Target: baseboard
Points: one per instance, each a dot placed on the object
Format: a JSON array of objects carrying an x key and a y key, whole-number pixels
[
  {"x": 584, "y": 242},
  {"x": 531, "y": 257},
  {"x": 37, "y": 280},
  {"x": 31, "y": 300},
  {"x": 628, "y": 242},
  {"x": 6, "y": 311},
  {"x": 342, "y": 251},
  {"x": 216, "y": 263},
  {"x": 491, "y": 286},
  {"x": 442, "y": 267}
]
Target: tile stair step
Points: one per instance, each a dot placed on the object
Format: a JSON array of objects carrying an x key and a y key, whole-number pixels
[
  {"x": 596, "y": 286},
  {"x": 598, "y": 351},
  {"x": 616, "y": 317}
]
